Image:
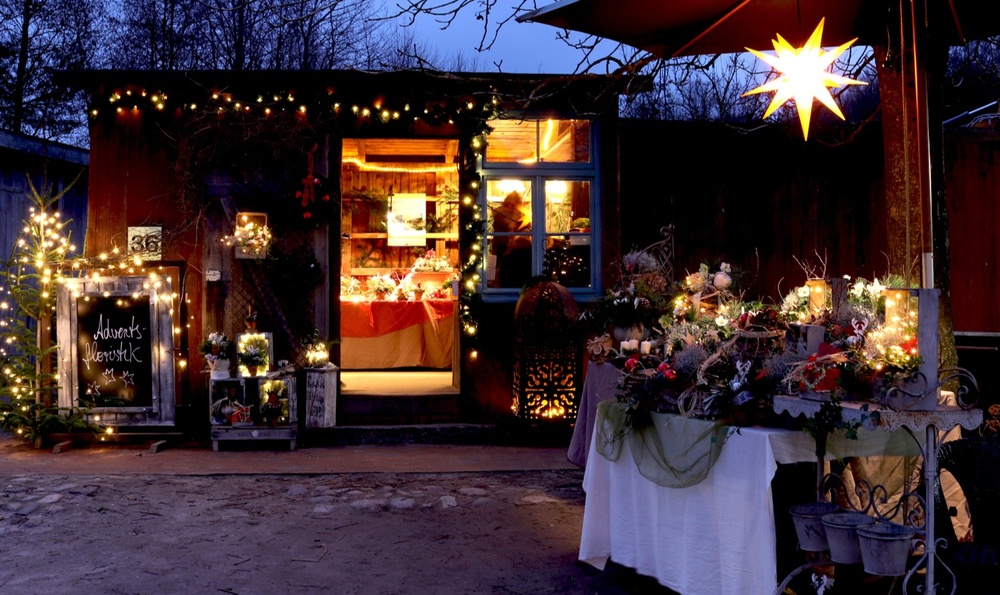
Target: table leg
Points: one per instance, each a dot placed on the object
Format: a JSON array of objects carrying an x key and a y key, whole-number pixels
[
  {"x": 930, "y": 475},
  {"x": 820, "y": 464}
]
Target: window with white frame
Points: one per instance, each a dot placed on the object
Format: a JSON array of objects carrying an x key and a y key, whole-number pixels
[{"x": 540, "y": 196}]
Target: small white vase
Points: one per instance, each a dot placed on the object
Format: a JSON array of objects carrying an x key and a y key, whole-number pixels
[{"x": 219, "y": 368}]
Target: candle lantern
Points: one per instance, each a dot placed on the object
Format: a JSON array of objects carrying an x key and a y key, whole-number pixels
[
  {"x": 819, "y": 292},
  {"x": 547, "y": 360},
  {"x": 913, "y": 313}
]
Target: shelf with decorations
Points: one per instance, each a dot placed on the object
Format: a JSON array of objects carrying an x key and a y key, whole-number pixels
[
  {"x": 400, "y": 207},
  {"x": 260, "y": 401}
]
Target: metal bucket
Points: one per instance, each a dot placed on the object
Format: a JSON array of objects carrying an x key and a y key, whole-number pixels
[
  {"x": 842, "y": 535},
  {"x": 885, "y": 548},
  {"x": 808, "y": 520}
]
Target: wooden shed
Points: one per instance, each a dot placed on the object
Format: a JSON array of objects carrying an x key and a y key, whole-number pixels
[{"x": 293, "y": 198}]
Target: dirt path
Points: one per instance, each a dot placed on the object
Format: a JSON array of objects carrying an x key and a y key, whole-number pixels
[{"x": 509, "y": 532}]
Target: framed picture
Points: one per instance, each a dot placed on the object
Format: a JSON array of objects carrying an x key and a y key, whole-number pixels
[{"x": 229, "y": 404}]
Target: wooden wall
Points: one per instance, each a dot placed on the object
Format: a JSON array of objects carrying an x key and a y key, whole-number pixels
[
  {"x": 46, "y": 163},
  {"x": 133, "y": 183},
  {"x": 757, "y": 201},
  {"x": 972, "y": 187}
]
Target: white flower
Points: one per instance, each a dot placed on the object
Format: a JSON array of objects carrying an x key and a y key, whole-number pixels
[
  {"x": 725, "y": 268},
  {"x": 803, "y": 291},
  {"x": 858, "y": 290},
  {"x": 791, "y": 302},
  {"x": 722, "y": 321},
  {"x": 875, "y": 289}
]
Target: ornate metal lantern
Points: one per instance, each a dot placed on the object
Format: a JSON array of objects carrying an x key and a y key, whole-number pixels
[{"x": 547, "y": 359}]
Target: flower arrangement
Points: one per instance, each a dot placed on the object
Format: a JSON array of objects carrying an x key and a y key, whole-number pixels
[
  {"x": 349, "y": 285},
  {"x": 253, "y": 351},
  {"x": 430, "y": 262},
  {"x": 251, "y": 236},
  {"x": 704, "y": 291},
  {"x": 637, "y": 300},
  {"x": 716, "y": 356},
  {"x": 408, "y": 289},
  {"x": 273, "y": 387},
  {"x": 381, "y": 284},
  {"x": 216, "y": 345},
  {"x": 317, "y": 349},
  {"x": 215, "y": 348}
]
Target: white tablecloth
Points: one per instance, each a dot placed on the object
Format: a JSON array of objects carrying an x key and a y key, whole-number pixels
[{"x": 712, "y": 538}]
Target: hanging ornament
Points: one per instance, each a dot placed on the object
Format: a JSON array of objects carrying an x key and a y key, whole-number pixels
[{"x": 804, "y": 76}]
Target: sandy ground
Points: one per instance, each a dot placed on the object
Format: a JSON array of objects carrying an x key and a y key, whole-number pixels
[{"x": 485, "y": 532}]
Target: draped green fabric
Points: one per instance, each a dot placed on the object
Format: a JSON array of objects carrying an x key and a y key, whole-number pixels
[{"x": 673, "y": 451}]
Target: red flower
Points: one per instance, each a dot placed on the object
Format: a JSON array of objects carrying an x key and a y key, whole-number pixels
[{"x": 909, "y": 346}]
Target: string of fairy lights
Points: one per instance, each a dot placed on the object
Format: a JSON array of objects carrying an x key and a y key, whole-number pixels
[
  {"x": 470, "y": 113},
  {"x": 43, "y": 260}
]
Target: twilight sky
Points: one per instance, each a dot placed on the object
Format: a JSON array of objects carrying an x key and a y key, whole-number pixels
[{"x": 529, "y": 48}]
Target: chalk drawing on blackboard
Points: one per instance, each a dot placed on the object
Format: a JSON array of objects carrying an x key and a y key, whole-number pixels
[{"x": 114, "y": 351}]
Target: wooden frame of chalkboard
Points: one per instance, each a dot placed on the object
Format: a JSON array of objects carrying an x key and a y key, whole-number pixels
[{"x": 116, "y": 358}]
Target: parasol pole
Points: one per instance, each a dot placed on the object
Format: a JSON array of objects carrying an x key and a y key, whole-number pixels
[{"x": 918, "y": 30}]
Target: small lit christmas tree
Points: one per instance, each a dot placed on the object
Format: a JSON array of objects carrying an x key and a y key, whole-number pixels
[{"x": 28, "y": 383}]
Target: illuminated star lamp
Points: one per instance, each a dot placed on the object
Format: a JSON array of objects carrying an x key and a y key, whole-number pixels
[{"x": 804, "y": 76}]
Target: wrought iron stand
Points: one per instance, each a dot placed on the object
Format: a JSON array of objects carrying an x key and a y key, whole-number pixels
[{"x": 875, "y": 417}]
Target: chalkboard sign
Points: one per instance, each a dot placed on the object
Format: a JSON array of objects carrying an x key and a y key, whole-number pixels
[
  {"x": 114, "y": 351},
  {"x": 115, "y": 336}
]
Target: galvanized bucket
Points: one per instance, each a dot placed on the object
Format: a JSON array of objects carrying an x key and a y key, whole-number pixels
[
  {"x": 842, "y": 535},
  {"x": 808, "y": 520},
  {"x": 885, "y": 548}
]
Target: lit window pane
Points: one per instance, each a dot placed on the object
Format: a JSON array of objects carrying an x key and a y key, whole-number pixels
[
  {"x": 532, "y": 141},
  {"x": 567, "y": 260},
  {"x": 508, "y": 202},
  {"x": 567, "y": 206},
  {"x": 564, "y": 141},
  {"x": 512, "y": 141}
]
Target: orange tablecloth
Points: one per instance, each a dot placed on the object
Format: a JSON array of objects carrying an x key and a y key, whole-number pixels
[{"x": 377, "y": 335}]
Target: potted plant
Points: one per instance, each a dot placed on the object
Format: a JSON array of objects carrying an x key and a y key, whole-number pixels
[
  {"x": 215, "y": 348},
  {"x": 253, "y": 353},
  {"x": 317, "y": 350},
  {"x": 381, "y": 285}
]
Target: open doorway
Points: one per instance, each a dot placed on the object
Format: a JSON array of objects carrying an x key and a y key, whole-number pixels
[{"x": 399, "y": 256}]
